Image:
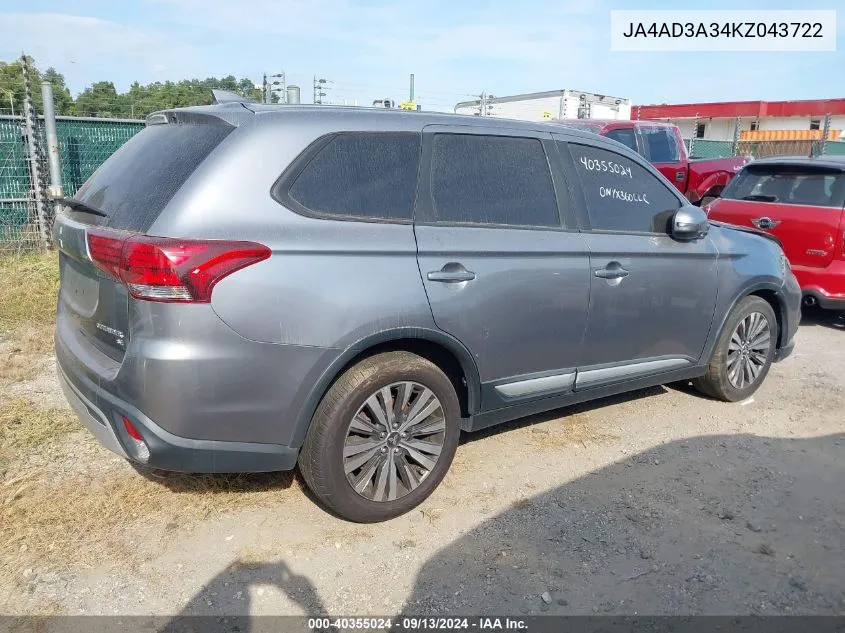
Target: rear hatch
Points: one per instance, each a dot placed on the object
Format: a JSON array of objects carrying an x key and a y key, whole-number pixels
[
  {"x": 799, "y": 203},
  {"x": 125, "y": 195}
]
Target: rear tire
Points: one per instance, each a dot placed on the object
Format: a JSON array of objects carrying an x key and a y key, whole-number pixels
[
  {"x": 370, "y": 420},
  {"x": 744, "y": 352}
]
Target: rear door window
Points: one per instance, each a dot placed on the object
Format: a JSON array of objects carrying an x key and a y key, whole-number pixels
[
  {"x": 812, "y": 186},
  {"x": 626, "y": 136},
  {"x": 660, "y": 144},
  {"x": 362, "y": 175},
  {"x": 622, "y": 195},
  {"x": 135, "y": 184},
  {"x": 496, "y": 180}
]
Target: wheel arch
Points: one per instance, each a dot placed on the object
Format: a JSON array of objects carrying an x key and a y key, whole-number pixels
[
  {"x": 769, "y": 292},
  {"x": 443, "y": 350}
]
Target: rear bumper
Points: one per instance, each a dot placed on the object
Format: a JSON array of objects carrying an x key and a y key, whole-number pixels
[
  {"x": 101, "y": 412},
  {"x": 824, "y": 301},
  {"x": 825, "y": 285}
]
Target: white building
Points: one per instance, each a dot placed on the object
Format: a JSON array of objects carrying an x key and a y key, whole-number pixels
[
  {"x": 553, "y": 104},
  {"x": 758, "y": 120}
]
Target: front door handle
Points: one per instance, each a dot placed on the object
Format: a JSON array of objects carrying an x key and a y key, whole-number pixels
[
  {"x": 680, "y": 175},
  {"x": 451, "y": 274},
  {"x": 765, "y": 223},
  {"x": 611, "y": 272}
]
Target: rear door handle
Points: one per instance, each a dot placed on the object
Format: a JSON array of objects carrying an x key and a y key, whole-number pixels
[
  {"x": 615, "y": 272},
  {"x": 451, "y": 276},
  {"x": 680, "y": 175},
  {"x": 765, "y": 223}
]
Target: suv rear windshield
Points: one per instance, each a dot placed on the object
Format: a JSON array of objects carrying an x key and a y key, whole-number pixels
[
  {"x": 136, "y": 183},
  {"x": 788, "y": 184}
]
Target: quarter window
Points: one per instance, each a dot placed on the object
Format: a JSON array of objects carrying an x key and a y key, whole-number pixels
[
  {"x": 622, "y": 195},
  {"x": 362, "y": 175},
  {"x": 660, "y": 144},
  {"x": 503, "y": 180}
]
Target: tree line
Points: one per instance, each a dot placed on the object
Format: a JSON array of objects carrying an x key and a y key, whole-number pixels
[{"x": 101, "y": 99}]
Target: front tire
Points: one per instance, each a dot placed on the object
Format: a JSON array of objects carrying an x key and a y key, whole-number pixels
[
  {"x": 382, "y": 438},
  {"x": 744, "y": 352}
]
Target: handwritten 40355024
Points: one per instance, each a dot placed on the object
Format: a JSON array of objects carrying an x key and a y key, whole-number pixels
[{"x": 594, "y": 164}]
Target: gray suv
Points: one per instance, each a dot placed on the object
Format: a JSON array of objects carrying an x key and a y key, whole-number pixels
[{"x": 248, "y": 288}]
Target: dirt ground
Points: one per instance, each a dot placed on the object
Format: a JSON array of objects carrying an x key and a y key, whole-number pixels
[{"x": 657, "y": 502}]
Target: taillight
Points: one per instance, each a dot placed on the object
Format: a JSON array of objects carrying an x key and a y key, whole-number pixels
[
  {"x": 137, "y": 445},
  {"x": 170, "y": 269}
]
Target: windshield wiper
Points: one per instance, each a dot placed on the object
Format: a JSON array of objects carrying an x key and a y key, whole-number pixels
[
  {"x": 76, "y": 205},
  {"x": 761, "y": 198}
]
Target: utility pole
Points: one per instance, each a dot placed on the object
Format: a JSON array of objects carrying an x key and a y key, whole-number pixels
[
  {"x": 270, "y": 81},
  {"x": 482, "y": 103},
  {"x": 53, "y": 157},
  {"x": 265, "y": 90},
  {"x": 735, "y": 144},
  {"x": 319, "y": 90},
  {"x": 825, "y": 133},
  {"x": 411, "y": 95},
  {"x": 485, "y": 108}
]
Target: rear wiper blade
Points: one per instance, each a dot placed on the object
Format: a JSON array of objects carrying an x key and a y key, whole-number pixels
[
  {"x": 761, "y": 198},
  {"x": 76, "y": 205}
]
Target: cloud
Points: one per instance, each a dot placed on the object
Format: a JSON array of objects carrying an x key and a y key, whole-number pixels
[
  {"x": 89, "y": 48},
  {"x": 499, "y": 31},
  {"x": 454, "y": 48}
]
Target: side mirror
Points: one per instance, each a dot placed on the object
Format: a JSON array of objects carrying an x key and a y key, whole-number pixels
[{"x": 690, "y": 223}]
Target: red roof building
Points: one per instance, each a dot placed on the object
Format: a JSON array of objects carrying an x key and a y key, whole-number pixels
[{"x": 759, "y": 120}]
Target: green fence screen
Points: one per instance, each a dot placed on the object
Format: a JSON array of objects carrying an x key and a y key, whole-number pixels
[
  {"x": 834, "y": 148},
  {"x": 702, "y": 148},
  {"x": 85, "y": 145}
]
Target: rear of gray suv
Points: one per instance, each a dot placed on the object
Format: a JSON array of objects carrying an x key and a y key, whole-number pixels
[{"x": 245, "y": 288}]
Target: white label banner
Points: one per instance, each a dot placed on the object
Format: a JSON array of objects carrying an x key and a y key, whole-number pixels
[{"x": 741, "y": 30}]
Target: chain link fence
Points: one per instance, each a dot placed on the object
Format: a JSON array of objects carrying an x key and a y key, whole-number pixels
[
  {"x": 702, "y": 148},
  {"x": 19, "y": 187},
  {"x": 84, "y": 145}
]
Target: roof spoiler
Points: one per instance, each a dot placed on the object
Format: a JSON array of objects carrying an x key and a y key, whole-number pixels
[{"x": 225, "y": 96}]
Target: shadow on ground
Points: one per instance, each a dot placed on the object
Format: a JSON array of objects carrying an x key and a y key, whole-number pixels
[
  {"x": 833, "y": 319},
  {"x": 217, "y": 483},
  {"x": 554, "y": 414},
  {"x": 708, "y": 525}
]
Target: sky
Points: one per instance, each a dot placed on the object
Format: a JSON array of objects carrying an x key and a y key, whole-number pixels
[{"x": 366, "y": 49}]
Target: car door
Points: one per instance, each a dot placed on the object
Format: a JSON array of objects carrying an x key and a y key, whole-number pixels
[
  {"x": 504, "y": 274},
  {"x": 665, "y": 151},
  {"x": 652, "y": 297}
]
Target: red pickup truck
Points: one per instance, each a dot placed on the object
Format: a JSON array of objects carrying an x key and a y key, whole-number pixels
[{"x": 700, "y": 180}]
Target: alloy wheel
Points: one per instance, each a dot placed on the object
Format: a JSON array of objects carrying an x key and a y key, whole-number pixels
[
  {"x": 394, "y": 441},
  {"x": 748, "y": 350}
]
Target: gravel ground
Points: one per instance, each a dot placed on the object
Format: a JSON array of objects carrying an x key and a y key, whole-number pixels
[{"x": 657, "y": 502}]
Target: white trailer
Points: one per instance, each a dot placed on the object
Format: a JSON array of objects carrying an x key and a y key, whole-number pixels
[{"x": 553, "y": 104}]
